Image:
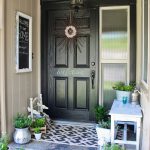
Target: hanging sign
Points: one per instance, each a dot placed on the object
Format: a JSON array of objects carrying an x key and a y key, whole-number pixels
[{"x": 24, "y": 43}]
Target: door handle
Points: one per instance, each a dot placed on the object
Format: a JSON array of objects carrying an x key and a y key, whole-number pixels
[{"x": 93, "y": 78}]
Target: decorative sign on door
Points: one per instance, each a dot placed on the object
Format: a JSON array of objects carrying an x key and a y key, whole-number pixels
[{"x": 23, "y": 43}]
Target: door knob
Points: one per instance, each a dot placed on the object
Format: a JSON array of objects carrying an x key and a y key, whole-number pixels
[
  {"x": 93, "y": 78},
  {"x": 93, "y": 63}
]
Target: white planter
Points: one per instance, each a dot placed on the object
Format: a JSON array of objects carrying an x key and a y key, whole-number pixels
[
  {"x": 104, "y": 135},
  {"x": 37, "y": 136},
  {"x": 121, "y": 94},
  {"x": 22, "y": 136}
]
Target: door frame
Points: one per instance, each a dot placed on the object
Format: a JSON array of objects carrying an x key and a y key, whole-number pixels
[
  {"x": 44, "y": 62},
  {"x": 47, "y": 5},
  {"x": 2, "y": 70}
]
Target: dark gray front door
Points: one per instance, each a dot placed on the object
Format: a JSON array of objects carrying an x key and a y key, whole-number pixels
[{"x": 71, "y": 68}]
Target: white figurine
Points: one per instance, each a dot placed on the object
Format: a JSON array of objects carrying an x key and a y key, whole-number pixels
[
  {"x": 34, "y": 111},
  {"x": 36, "y": 102},
  {"x": 42, "y": 106}
]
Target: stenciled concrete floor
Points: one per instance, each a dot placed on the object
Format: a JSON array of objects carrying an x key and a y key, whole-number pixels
[
  {"x": 53, "y": 145},
  {"x": 41, "y": 145}
]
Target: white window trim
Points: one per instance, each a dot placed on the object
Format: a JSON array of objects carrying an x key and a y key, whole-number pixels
[
  {"x": 114, "y": 61},
  {"x": 145, "y": 84}
]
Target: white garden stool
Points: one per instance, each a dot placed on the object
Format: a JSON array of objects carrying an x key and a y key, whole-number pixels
[{"x": 125, "y": 113}]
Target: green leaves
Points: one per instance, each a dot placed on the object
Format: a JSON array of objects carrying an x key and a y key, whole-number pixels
[
  {"x": 37, "y": 130},
  {"x": 4, "y": 140},
  {"x": 102, "y": 117},
  {"x": 101, "y": 113},
  {"x": 22, "y": 121},
  {"x": 112, "y": 147},
  {"x": 38, "y": 122},
  {"x": 105, "y": 124},
  {"x": 122, "y": 87}
]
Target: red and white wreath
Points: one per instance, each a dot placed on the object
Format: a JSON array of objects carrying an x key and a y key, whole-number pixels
[{"x": 70, "y": 31}]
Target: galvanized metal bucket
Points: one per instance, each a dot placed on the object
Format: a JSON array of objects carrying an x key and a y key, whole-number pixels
[{"x": 22, "y": 136}]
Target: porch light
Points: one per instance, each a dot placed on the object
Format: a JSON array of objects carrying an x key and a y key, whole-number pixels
[{"x": 76, "y": 4}]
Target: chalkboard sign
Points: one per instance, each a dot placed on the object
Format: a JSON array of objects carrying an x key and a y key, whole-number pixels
[{"x": 24, "y": 43}]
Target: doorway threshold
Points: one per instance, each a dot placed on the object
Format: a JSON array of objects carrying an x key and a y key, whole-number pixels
[{"x": 74, "y": 123}]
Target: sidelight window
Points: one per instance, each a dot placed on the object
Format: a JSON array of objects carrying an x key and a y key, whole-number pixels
[{"x": 114, "y": 49}]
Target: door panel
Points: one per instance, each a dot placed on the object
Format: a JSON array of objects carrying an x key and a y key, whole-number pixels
[
  {"x": 82, "y": 55},
  {"x": 81, "y": 90},
  {"x": 69, "y": 86},
  {"x": 61, "y": 94},
  {"x": 61, "y": 55}
]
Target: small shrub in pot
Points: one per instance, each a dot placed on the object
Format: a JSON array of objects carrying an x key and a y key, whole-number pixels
[
  {"x": 21, "y": 123},
  {"x": 37, "y": 133},
  {"x": 101, "y": 113},
  {"x": 103, "y": 126},
  {"x": 123, "y": 90}
]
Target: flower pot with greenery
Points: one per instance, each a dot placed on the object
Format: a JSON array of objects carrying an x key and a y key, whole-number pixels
[
  {"x": 37, "y": 133},
  {"x": 4, "y": 140},
  {"x": 21, "y": 123},
  {"x": 103, "y": 132},
  {"x": 103, "y": 126},
  {"x": 123, "y": 90},
  {"x": 39, "y": 123}
]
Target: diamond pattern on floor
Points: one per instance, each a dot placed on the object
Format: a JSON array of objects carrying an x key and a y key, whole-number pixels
[{"x": 71, "y": 135}]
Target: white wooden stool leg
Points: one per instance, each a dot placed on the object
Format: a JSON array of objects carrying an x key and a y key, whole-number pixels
[
  {"x": 125, "y": 132},
  {"x": 112, "y": 129},
  {"x": 135, "y": 127},
  {"x": 138, "y": 126}
]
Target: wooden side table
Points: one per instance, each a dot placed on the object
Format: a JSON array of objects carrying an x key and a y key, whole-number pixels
[{"x": 125, "y": 113}]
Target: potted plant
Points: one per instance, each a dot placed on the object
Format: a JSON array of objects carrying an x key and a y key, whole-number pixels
[
  {"x": 103, "y": 132},
  {"x": 4, "y": 140},
  {"x": 123, "y": 90},
  {"x": 37, "y": 133},
  {"x": 103, "y": 126},
  {"x": 39, "y": 123},
  {"x": 100, "y": 113},
  {"x": 21, "y": 124}
]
